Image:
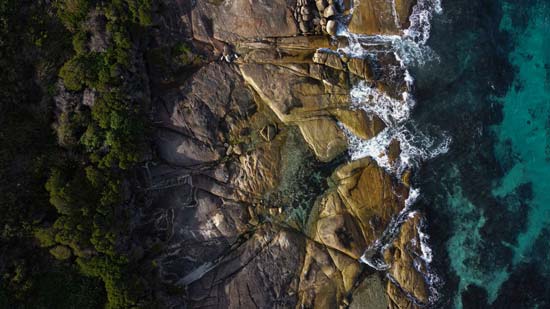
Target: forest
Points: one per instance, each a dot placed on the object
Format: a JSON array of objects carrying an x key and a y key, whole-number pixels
[{"x": 66, "y": 165}]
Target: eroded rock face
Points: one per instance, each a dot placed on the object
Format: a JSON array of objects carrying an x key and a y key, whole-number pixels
[
  {"x": 259, "y": 273},
  {"x": 410, "y": 288},
  {"x": 368, "y": 296},
  {"x": 381, "y": 16},
  {"x": 233, "y": 225},
  {"x": 370, "y": 194},
  {"x": 324, "y": 137},
  {"x": 236, "y": 20}
]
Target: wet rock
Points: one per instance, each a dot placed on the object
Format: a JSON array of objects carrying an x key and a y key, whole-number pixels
[
  {"x": 329, "y": 59},
  {"x": 361, "y": 67},
  {"x": 370, "y": 194},
  {"x": 403, "y": 9},
  {"x": 405, "y": 260},
  {"x": 324, "y": 137},
  {"x": 331, "y": 27},
  {"x": 359, "y": 123},
  {"x": 374, "y": 17},
  {"x": 394, "y": 151}
]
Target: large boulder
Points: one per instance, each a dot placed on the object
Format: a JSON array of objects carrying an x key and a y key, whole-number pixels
[
  {"x": 370, "y": 294},
  {"x": 359, "y": 122},
  {"x": 326, "y": 278},
  {"x": 182, "y": 150},
  {"x": 300, "y": 100},
  {"x": 324, "y": 137},
  {"x": 379, "y": 16},
  {"x": 408, "y": 287},
  {"x": 370, "y": 194},
  {"x": 257, "y": 272},
  {"x": 335, "y": 227},
  {"x": 374, "y": 17},
  {"x": 241, "y": 20}
]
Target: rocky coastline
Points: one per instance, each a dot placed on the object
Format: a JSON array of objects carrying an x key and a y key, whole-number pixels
[
  {"x": 249, "y": 197},
  {"x": 253, "y": 196}
]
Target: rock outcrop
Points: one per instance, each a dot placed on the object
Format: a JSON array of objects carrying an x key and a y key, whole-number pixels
[
  {"x": 381, "y": 16},
  {"x": 253, "y": 199}
]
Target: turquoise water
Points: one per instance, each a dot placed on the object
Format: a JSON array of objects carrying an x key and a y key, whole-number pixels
[
  {"x": 488, "y": 199},
  {"x": 523, "y": 133},
  {"x": 525, "y": 129}
]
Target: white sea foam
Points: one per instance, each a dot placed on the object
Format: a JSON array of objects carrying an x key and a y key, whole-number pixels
[
  {"x": 420, "y": 26},
  {"x": 431, "y": 278},
  {"x": 410, "y": 46},
  {"x": 416, "y": 146},
  {"x": 372, "y": 256},
  {"x": 374, "y": 101}
]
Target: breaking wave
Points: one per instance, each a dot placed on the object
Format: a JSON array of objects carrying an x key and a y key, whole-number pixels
[{"x": 415, "y": 146}]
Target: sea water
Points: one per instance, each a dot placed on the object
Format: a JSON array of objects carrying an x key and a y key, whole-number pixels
[
  {"x": 416, "y": 146},
  {"x": 488, "y": 197}
]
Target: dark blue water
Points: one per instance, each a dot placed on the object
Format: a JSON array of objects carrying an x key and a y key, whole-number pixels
[{"x": 488, "y": 198}]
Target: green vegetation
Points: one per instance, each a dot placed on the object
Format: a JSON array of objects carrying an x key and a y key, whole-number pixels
[
  {"x": 102, "y": 142},
  {"x": 63, "y": 192},
  {"x": 65, "y": 287},
  {"x": 27, "y": 149}
]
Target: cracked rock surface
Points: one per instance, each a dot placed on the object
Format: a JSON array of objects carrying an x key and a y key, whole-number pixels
[{"x": 254, "y": 202}]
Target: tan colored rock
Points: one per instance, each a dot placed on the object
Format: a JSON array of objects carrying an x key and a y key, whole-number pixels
[
  {"x": 404, "y": 10},
  {"x": 402, "y": 257},
  {"x": 317, "y": 286},
  {"x": 359, "y": 123},
  {"x": 324, "y": 137},
  {"x": 271, "y": 83},
  {"x": 337, "y": 228},
  {"x": 370, "y": 194},
  {"x": 326, "y": 277},
  {"x": 292, "y": 95},
  {"x": 374, "y": 17},
  {"x": 370, "y": 294},
  {"x": 329, "y": 59},
  {"x": 361, "y": 68},
  {"x": 349, "y": 268},
  {"x": 329, "y": 11},
  {"x": 394, "y": 151},
  {"x": 331, "y": 27}
]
